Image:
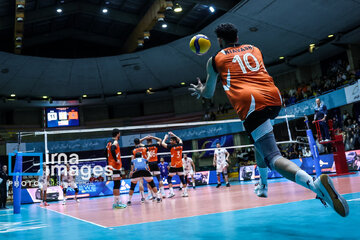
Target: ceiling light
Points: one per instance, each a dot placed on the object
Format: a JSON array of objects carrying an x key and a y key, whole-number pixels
[
  {"x": 211, "y": 9},
  {"x": 20, "y": 7},
  {"x": 20, "y": 19},
  {"x": 169, "y": 5},
  {"x": 18, "y": 46},
  {"x": 18, "y": 39},
  {"x": 119, "y": 93},
  {"x": 281, "y": 58},
  {"x": 12, "y": 95},
  {"x": 140, "y": 42},
  {"x": 105, "y": 10},
  {"x": 161, "y": 19},
  {"x": 146, "y": 35},
  {"x": 183, "y": 83},
  {"x": 59, "y": 10},
  {"x": 107, "y": 2},
  {"x": 44, "y": 97},
  {"x": 330, "y": 35},
  {"x": 312, "y": 45},
  {"x": 177, "y": 8},
  {"x": 164, "y": 25},
  {"x": 84, "y": 95}
]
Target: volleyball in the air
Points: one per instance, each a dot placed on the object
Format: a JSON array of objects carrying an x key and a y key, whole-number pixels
[{"x": 200, "y": 44}]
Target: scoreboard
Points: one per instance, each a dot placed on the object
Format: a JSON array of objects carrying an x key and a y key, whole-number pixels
[{"x": 62, "y": 116}]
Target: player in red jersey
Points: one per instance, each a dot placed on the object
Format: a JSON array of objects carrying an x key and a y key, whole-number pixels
[
  {"x": 176, "y": 165},
  {"x": 256, "y": 99}
]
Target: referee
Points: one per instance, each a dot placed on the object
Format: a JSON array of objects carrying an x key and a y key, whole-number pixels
[{"x": 3, "y": 191}]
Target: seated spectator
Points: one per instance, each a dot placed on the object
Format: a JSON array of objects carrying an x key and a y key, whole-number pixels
[
  {"x": 100, "y": 178},
  {"x": 92, "y": 178},
  {"x": 306, "y": 152}
]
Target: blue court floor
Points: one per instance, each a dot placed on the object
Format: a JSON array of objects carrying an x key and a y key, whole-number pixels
[{"x": 306, "y": 219}]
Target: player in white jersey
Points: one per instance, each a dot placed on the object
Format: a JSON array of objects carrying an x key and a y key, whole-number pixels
[
  {"x": 189, "y": 168},
  {"x": 43, "y": 183},
  {"x": 68, "y": 180},
  {"x": 221, "y": 157}
]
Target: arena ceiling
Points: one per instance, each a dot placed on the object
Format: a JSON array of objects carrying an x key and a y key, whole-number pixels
[{"x": 280, "y": 28}]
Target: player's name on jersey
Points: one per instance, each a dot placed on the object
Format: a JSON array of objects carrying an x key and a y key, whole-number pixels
[{"x": 235, "y": 50}]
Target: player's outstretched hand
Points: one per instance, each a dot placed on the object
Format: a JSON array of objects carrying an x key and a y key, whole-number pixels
[{"x": 197, "y": 89}]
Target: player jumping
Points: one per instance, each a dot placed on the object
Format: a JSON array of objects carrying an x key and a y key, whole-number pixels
[{"x": 256, "y": 99}]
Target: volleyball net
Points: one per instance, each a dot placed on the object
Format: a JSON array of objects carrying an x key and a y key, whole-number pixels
[{"x": 86, "y": 148}]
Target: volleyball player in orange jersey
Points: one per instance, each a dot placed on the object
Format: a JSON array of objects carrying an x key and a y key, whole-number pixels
[
  {"x": 114, "y": 160},
  {"x": 176, "y": 165},
  {"x": 152, "y": 150},
  {"x": 256, "y": 99}
]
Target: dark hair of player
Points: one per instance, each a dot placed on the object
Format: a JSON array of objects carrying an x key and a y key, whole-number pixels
[
  {"x": 138, "y": 155},
  {"x": 227, "y": 32},
  {"x": 174, "y": 139},
  {"x": 115, "y": 132},
  {"x": 137, "y": 141}
]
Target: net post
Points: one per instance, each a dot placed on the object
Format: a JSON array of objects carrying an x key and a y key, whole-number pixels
[
  {"x": 17, "y": 178},
  {"x": 313, "y": 148}
]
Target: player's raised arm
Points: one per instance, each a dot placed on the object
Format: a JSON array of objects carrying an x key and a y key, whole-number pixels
[
  {"x": 144, "y": 138},
  {"x": 227, "y": 155},
  {"x": 158, "y": 140},
  {"x": 179, "y": 139},
  {"x": 163, "y": 143},
  {"x": 208, "y": 90}
]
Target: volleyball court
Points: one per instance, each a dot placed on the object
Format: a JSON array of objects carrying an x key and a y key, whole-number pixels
[{"x": 85, "y": 150}]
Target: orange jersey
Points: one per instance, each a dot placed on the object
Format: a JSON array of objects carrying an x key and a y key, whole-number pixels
[
  {"x": 152, "y": 151},
  {"x": 116, "y": 165},
  {"x": 176, "y": 155},
  {"x": 141, "y": 149},
  {"x": 246, "y": 82}
]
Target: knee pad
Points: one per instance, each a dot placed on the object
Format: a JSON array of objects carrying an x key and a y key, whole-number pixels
[
  {"x": 117, "y": 184},
  {"x": 64, "y": 190},
  {"x": 182, "y": 179},
  {"x": 267, "y": 148},
  {"x": 76, "y": 190},
  {"x": 169, "y": 179},
  {"x": 152, "y": 184},
  {"x": 132, "y": 186}
]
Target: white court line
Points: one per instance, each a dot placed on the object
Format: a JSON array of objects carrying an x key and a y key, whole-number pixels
[
  {"x": 355, "y": 199},
  {"x": 77, "y": 218}
]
